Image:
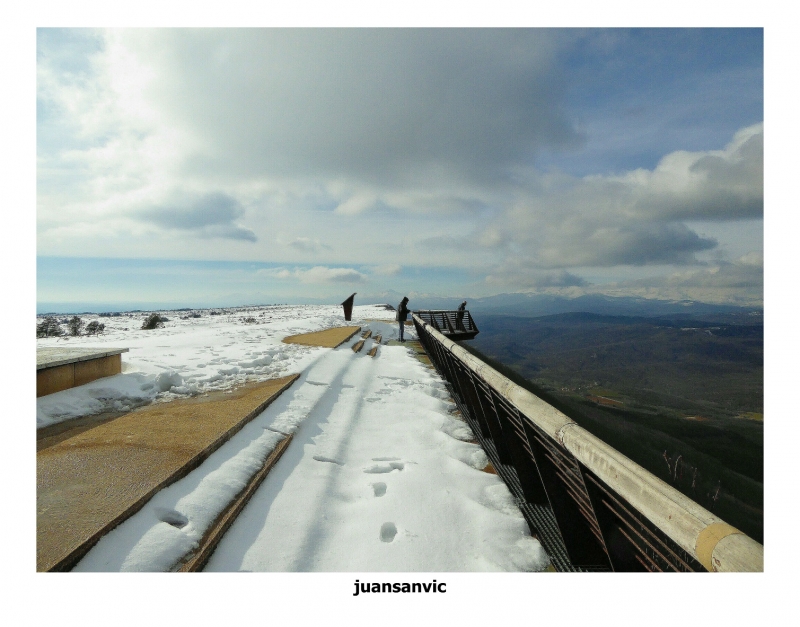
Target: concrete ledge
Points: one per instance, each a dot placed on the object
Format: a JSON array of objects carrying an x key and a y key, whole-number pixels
[
  {"x": 60, "y": 369},
  {"x": 50, "y": 357}
]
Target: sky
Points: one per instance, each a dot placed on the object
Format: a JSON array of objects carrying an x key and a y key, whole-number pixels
[{"x": 210, "y": 167}]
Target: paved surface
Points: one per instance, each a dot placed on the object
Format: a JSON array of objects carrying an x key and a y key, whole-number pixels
[
  {"x": 414, "y": 346},
  {"x": 89, "y": 483},
  {"x": 49, "y": 357},
  {"x": 329, "y": 338}
]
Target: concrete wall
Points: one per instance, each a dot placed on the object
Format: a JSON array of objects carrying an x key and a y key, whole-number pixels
[{"x": 50, "y": 380}]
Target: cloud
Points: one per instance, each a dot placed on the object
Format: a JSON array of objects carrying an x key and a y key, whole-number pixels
[
  {"x": 306, "y": 244},
  {"x": 317, "y": 275},
  {"x": 521, "y": 276},
  {"x": 747, "y": 271},
  {"x": 634, "y": 245},
  {"x": 554, "y": 221},
  {"x": 480, "y": 240},
  {"x": 370, "y": 104},
  {"x": 390, "y": 269},
  {"x": 740, "y": 282},
  {"x": 362, "y": 148},
  {"x": 723, "y": 184},
  {"x": 443, "y": 242},
  {"x": 637, "y": 218},
  {"x": 211, "y": 215},
  {"x": 357, "y": 203}
]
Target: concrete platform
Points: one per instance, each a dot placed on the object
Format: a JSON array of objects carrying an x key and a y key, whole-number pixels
[
  {"x": 89, "y": 483},
  {"x": 61, "y": 368},
  {"x": 329, "y": 338}
]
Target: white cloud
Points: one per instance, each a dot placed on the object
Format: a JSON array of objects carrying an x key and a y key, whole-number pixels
[
  {"x": 306, "y": 244},
  {"x": 390, "y": 269},
  {"x": 357, "y": 148},
  {"x": 638, "y": 218},
  {"x": 739, "y": 282},
  {"x": 210, "y": 215},
  {"x": 719, "y": 184},
  {"x": 316, "y": 275}
]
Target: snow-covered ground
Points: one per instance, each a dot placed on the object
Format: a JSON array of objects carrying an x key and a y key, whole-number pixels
[{"x": 379, "y": 476}]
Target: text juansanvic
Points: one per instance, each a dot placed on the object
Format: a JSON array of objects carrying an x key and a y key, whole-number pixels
[{"x": 365, "y": 587}]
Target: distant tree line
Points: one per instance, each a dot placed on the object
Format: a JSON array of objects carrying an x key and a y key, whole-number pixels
[{"x": 51, "y": 327}]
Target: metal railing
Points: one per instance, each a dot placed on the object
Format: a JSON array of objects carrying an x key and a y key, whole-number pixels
[
  {"x": 591, "y": 507},
  {"x": 453, "y": 324}
]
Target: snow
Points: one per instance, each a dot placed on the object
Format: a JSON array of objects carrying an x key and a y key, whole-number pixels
[{"x": 379, "y": 476}]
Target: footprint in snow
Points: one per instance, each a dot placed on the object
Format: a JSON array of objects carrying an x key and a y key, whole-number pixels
[
  {"x": 171, "y": 517},
  {"x": 388, "y": 531},
  {"x": 378, "y": 469},
  {"x": 379, "y": 488},
  {"x": 321, "y": 458}
]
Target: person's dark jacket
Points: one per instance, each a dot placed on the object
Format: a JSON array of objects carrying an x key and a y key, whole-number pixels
[{"x": 402, "y": 311}]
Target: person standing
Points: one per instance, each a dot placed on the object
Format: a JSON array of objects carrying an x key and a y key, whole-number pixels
[
  {"x": 460, "y": 316},
  {"x": 402, "y": 315}
]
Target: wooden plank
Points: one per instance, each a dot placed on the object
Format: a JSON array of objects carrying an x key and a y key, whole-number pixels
[{"x": 198, "y": 560}]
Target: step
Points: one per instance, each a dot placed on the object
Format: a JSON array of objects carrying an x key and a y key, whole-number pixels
[
  {"x": 89, "y": 483},
  {"x": 61, "y": 368}
]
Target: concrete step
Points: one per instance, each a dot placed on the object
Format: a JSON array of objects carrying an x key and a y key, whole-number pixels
[
  {"x": 199, "y": 558},
  {"x": 89, "y": 483}
]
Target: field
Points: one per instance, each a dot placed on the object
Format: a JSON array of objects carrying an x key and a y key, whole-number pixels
[{"x": 681, "y": 397}]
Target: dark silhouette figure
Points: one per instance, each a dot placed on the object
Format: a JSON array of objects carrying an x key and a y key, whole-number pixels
[
  {"x": 402, "y": 315},
  {"x": 460, "y": 317},
  {"x": 348, "y": 306}
]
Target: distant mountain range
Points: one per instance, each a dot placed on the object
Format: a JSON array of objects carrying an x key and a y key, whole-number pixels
[{"x": 535, "y": 305}]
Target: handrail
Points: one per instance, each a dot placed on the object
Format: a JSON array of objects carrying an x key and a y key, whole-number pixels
[{"x": 709, "y": 540}]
